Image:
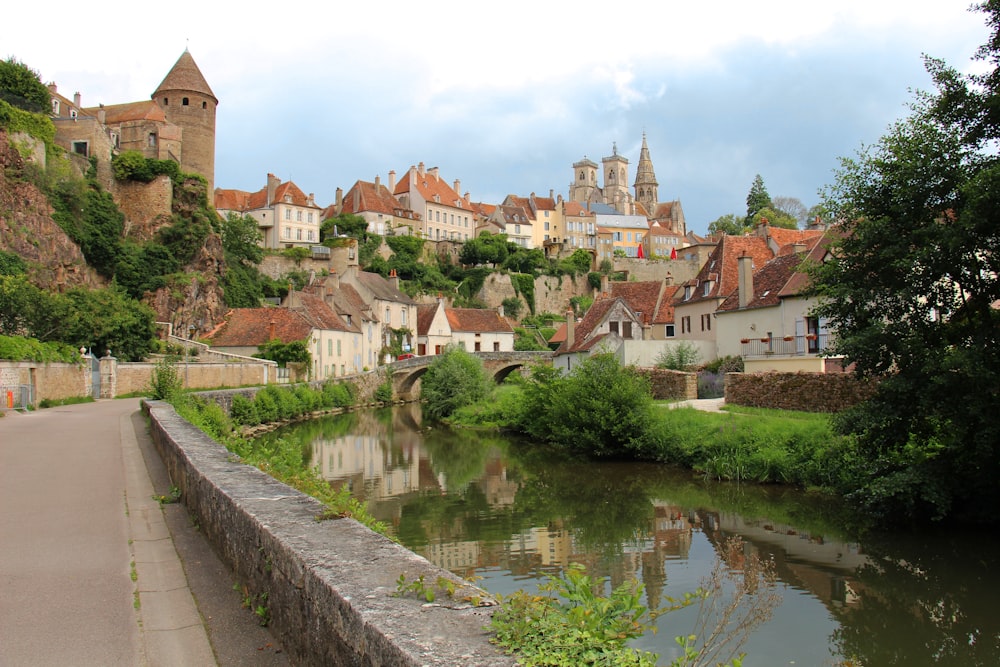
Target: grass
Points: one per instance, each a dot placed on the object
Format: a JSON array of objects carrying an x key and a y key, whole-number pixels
[{"x": 56, "y": 402}]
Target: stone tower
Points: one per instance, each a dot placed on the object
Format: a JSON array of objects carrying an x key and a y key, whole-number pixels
[
  {"x": 645, "y": 180},
  {"x": 616, "y": 180},
  {"x": 188, "y": 102},
  {"x": 584, "y": 184}
]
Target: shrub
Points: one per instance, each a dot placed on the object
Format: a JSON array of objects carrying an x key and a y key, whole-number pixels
[
  {"x": 454, "y": 379},
  {"x": 680, "y": 356},
  {"x": 165, "y": 383},
  {"x": 243, "y": 411}
]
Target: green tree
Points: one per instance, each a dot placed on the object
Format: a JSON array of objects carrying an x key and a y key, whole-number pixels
[
  {"x": 344, "y": 224},
  {"x": 22, "y": 87},
  {"x": 774, "y": 218},
  {"x": 241, "y": 239},
  {"x": 295, "y": 352},
  {"x": 729, "y": 224},
  {"x": 11, "y": 264},
  {"x": 757, "y": 199},
  {"x": 486, "y": 248},
  {"x": 910, "y": 291},
  {"x": 455, "y": 379}
]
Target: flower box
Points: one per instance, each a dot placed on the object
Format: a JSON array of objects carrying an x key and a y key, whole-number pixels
[
  {"x": 744, "y": 340},
  {"x": 788, "y": 338},
  {"x": 765, "y": 340},
  {"x": 811, "y": 337}
]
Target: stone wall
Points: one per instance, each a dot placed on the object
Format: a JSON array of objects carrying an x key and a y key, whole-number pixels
[
  {"x": 145, "y": 205},
  {"x": 808, "y": 392},
  {"x": 671, "y": 385},
  {"x": 328, "y": 586},
  {"x": 681, "y": 270},
  {"x": 135, "y": 377},
  {"x": 53, "y": 381}
]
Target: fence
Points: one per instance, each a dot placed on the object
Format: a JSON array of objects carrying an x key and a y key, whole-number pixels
[{"x": 15, "y": 397}]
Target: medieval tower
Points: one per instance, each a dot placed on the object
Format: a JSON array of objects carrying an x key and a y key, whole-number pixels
[
  {"x": 645, "y": 180},
  {"x": 616, "y": 180},
  {"x": 584, "y": 186},
  {"x": 188, "y": 102}
]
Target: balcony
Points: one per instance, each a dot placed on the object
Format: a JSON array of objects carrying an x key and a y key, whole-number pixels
[{"x": 788, "y": 346}]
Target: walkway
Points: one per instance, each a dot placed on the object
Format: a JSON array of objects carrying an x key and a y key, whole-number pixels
[
  {"x": 93, "y": 570},
  {"x": 706, "y": 404}
]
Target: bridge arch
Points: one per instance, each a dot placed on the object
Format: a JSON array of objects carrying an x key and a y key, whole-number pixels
[{"x": 406, "y": 374}]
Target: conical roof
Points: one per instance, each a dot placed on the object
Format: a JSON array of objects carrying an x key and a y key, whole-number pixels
[{"x": 185, "y": 75}]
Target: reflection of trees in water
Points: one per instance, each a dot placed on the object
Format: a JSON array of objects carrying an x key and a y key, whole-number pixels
[{"x": 926, "y": 600}]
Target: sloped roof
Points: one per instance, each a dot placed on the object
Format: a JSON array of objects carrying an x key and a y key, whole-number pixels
[
  {"x": 545, "y": 203},
  {"x": 722, "y": 267},
  {"x": 787, "y": 237},
  {"x": 319, "y": 314},
  {"x": 641, "y": 297},
  {"x": 576, "y": 209},
  {"x": 425, "y": 316},
  {"x": 185, "y": 75},
  {"x": 583, "y": 338},
  {"x": 368, "y": 197},
  {"x": 115, "y": 114},
  {"x": 477, "y": 319},
  {"x": 348, "y": 301},
  {"x": 240, "y": 200},
  {"x": 232, "y": 200},
  {"x": 251, "y": 327},
  {"x": 432, "y": 188},
  {"x": 382, "y": 289},
  {"x": 768, "y": 282},
  {"x": 799, "y": 280}
]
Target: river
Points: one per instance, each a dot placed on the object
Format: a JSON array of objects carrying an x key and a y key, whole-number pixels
[{"x": 509, "y": 514}]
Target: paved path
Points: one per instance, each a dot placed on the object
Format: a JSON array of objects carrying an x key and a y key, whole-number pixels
[
  {"x": 706, "y": 404},
  {"x": 90, "y": 572}
]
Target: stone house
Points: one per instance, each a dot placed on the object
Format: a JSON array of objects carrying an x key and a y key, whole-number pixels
[
  {"x": 444, "y": 213},
  {"x": 394, "y": 312},
  {"x": 544, "y": 215},
  {"x": 433, "y": 328},
  {"x": 286, "y": 216},
  {"x": 480, "y": 330},
  {"x": 767, "y": 320},
  {"x": 512, "y": 221},
  {"x": 374, "y": 202},
  {"x": 607, "y": 324}
]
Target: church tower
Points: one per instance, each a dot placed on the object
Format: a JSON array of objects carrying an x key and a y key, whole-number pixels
[
  {"x": 188, "y": 102},
  {"x": 616, "y": 192},
  {"x": 584, "y": 184},
  {"x": 645, "y": 180}
]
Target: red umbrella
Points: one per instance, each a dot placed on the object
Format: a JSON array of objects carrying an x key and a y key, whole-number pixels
[
  {"x": 673, "y": 253},
  {"x": 640, "y": 251}
]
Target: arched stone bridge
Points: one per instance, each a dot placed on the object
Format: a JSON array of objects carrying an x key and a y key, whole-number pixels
[{"x": 499, "y": 365}]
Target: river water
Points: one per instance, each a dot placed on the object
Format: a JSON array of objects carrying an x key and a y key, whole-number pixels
[{"x": 510, "y": 514}]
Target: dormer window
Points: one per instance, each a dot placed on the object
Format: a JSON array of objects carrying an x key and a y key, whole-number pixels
[
  {"x": 55, "y": 107},
  {"x": 73, "y": 114},
  {"x": 707, "y": 288},
  {"x": 687, "y": 292}
]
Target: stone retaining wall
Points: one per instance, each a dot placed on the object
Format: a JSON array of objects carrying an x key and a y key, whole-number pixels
[
  {"x": 808, "y": 392},
  {"x": 666, "y": 384},
  {"x": 328, "y": 586}
]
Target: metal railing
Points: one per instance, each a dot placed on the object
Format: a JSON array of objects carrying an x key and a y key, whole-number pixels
[{"x": 787, "y": 346}]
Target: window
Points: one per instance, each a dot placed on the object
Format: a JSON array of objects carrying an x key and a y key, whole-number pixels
[
  {"x": 73, "y": 114},
  {"x": 706, "y": 322},
  {"x": 404, "y": 317},
  {"x": 55, "y": 107},
  {"x": 707, "y": 289},
  {"x": 151, "y": 139},
  {"x": 437, "y": 216},
  {"x": 388, "y": 316},
  {"x": 288, "y": 214},
  {"x": 687, "y": 292},
  {"x": 80, "y": 148},
  {"x": 496, "y": 346},
  {"x": 546, "y": 224},
  {"x": 310, "y": 216},
  {"x": 338, "y": 348},
  {"x": 329, "y": 346},
  {"x": 478, "y": 345},
  {"x": 668, "y": 330},
  {"x": 686, "y": 324},
  {"x": 517, "y": 229},
  {"x": 309, "y": 235},
  {"x": 613, "y": 327},
  {"x": 287, "y": 232},
  {"x": 184, "y": 102},
  {"x": 626, "y": 330},
  {"x": 298, "y": 234},
  {"x": 204, "y": 105},
  {"x": 166, "y": 101},
  {"x": 298, "y": 216}
]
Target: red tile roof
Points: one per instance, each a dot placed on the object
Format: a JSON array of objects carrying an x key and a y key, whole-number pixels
[
  {"x": 722, "y": 267},
  {"x": 251, "y": 327},
  {"x": 364, "y": 197},
  {"x": 425, "y": 317},
  {"x": 115, "y": 114},
  {"x": 476, "y": 319},
  {"x": 583, "y": 338},
  {"x": 318, "y": 313},
  {"x": 185, "y": 75},
  {"x": 431, "y": 188},
  {"x": 768, "y": 281},
  {"x": 641, "y": 297}
]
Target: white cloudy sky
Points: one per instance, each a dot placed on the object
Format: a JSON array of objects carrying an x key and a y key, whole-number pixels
[{"x": 506, "y": 96}]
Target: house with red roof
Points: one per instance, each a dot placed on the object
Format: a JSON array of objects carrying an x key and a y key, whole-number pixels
[
  {"x": 544, "y": 215},
  {"x": 697, "y": 300},
  {"x": 333, "y": 344},
  {"x": 394, "y": 312},
  {"x": 512, "y": 221},
  {"x": 445, "y": 214},
  {"x": 768, "y": 318},
  {"x": 604, "y": 328},
  {"x": 480, "y": 330},
  {"x": 433, "y": 328},
  {"x": 286, "y": 216},
  {"x": 375, "y": 203}
]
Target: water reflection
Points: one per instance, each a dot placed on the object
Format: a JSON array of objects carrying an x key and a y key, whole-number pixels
[{"x": 482, "y": 505}]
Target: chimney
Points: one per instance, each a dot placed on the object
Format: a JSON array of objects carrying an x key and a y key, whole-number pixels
[
  {"x": 52, "y": 87},
  {"x": 798, "y": 248},
  {"x": 394, "y": 278},
  {"x": 333, "y": 280},
  {"x": 668, "y": 279},
  {"x": 272, "y": 186},
  {"x": 339, "y": 201},
  {"x": 458, "y": 187},
  {"x": 311, "y": 200},
  {"x": 101, "y": 115},
  {"x": 744, "y": 284},
  {"x": 357, "y": 200},
  {"x": 605, "y": 284},
  {"x": 76, "y": 100},
  {"x": 500, "y": 310},
  {"x": 552, "y": 193},
  {"x": 570, "y": 329},
  {"x": 433, "y": 172},
  {"x": 270, "y": 329},
  {"x": 392, "y": 181},
  {"x": 378, "y": 183},
  {"x": 420, "y": 168}
]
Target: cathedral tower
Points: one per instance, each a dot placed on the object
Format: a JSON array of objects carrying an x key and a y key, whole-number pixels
[
  {"x": 188, "y": 102},
  {"x": 645, "y": 180},
  {"x": 584, "y": 184},
  {"x": 616, "y": 180}
]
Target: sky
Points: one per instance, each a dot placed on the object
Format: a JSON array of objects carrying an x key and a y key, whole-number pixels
[{"x": 505, "y": 97}]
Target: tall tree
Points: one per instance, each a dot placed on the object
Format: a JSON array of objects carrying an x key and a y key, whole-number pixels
[
  {"x": 757, "y": 198},
  {"x": 730, "y": 224},
  {"x": 22, "y": 87},
  {"x": 911, "y": 290}
]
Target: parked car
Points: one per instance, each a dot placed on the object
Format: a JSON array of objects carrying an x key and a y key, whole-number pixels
[{"x": 405, "y": 356}]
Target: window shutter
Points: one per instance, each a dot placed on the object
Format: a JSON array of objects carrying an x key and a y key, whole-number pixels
[{"x": 800, "y": 336}]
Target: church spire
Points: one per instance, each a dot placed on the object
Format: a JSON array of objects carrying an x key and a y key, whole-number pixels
[{"x": 646, "y": 192}]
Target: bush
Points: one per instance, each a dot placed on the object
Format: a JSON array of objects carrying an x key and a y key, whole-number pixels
[
  {"x": 454, "y": 379},
  {"x": 243, "y": 411},
  {"x": 165, "y": 383},
  {"x": 680, "y": 356}
]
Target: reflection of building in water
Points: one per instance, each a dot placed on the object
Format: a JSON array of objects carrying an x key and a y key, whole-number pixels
[
  {"x": 347, "y": 459},
  {"x": 462, "y": 558}
]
